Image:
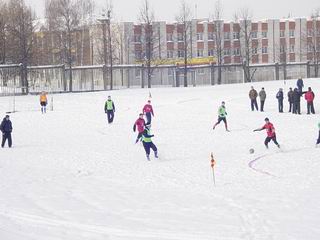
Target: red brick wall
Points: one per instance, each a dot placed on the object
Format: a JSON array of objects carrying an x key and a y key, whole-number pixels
[
  {"x": 200, "y": 45},
  {"x": 264, "y": 27},
  {"x": 200, "y": 28},
  {"x": 265, "y": 58},
  {"x": 226, "y": 27},
  {"x": 170, "y": 28},
  {"x": 170, "y": 46}
]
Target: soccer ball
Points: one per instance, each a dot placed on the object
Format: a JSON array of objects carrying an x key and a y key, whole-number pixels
[{"x": 251, "y": 150}]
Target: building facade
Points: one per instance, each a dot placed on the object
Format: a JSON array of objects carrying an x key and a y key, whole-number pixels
[{"x": 271, "y": 41}]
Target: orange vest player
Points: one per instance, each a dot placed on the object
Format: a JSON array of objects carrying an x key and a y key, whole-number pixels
[{"x": 43, "y": 102}]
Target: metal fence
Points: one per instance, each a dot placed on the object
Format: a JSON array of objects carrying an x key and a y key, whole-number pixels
[{"x": 97, "y": 78}]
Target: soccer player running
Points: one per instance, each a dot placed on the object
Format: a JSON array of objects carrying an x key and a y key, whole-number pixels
[
  {"x": 271, "y": 133},
  {"x": 222, "y": 116}
]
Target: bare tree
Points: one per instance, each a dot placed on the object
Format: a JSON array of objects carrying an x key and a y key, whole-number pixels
[
  {"x": 312, "y": 40},
  {"x": 86, "y": 21},
  {"x": 218, "y": 36},
  {"x": 184, "y": 20},
  {"x": 64, "y": 16},
  {"x": 21, "y": 36},
  {"x": 283, "y": 56},
  {"x": 248, "y": 41},
  {"x": 3, "y": 31},
  {"x": 146, "y": 19}
]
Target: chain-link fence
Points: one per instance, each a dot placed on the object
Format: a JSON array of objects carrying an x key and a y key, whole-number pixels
[{"x": 98, "y": 78}]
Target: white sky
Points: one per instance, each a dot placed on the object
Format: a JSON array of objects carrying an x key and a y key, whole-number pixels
[{"x": 127, "y": 10}]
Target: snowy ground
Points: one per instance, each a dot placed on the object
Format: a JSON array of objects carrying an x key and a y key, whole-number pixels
[{"x": 71, "y": 176}]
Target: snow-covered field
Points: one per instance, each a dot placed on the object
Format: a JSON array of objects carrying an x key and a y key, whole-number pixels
[{"x": 72, "y": 176}]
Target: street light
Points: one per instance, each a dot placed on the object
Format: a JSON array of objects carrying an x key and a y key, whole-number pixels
[{"x": 105, "y": 20}]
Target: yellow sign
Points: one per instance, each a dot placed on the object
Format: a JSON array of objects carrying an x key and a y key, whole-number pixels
[{"x": 179, "y": 62}]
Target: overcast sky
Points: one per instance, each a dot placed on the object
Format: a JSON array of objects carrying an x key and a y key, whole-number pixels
[{"x": 127, "y": 10}]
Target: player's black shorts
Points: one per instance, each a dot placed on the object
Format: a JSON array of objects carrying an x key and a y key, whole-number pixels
[
  {"x": 222, "y": 119},
  {"x": 43, "y": 104}
]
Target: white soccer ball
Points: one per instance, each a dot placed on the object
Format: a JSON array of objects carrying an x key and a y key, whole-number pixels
[{"x": 251, "y": 151}]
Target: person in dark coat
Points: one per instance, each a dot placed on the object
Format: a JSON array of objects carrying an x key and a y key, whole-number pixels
[
  {"x": 279, "y": 96},
  {"x": 6, "y": 129},
  {"x": 290, "y": 99},
  {"x": 309, "y": 96},
  {"x": 296, "y": 101},
  {"x": 253, "y": 94},
  {"x": 300, "y": 84},
  {"x": 109, "y": 109},
  {"x": 262, "y": 96}
]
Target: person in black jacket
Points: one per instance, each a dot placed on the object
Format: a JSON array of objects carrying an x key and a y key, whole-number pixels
[
  {"x": 279, "y": 96},
  {"x": 300, "y": 84},
  {"x": 290, "y": 99},
  {"x": 6, "y": 129},
  {"x": 296, "y": 101}
]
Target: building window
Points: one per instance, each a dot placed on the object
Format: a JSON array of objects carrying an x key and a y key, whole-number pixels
[
  {"x": 264, "y": 50},
  {"x": 264, "y": 34},
  {"x": 254, "y": 35},
  {"x": 291, "y": 48},
  {"x": 169, "y": 54},
  {"x": 226, "y": 35},
  {"x": 236, "y": 35},
  {"x": 200, "y": 53},
  {"x": 180, "y": 37},
  {"x": 210, "y": 36},
  {"x": 236, "y": 52},
  {"x": 180, "y": 54},
  {"x": 169, "y": 37},
  {"x": 199, "y": 36},
  {"x": 282, "y": 49},
  {"x": 282, "y": 34},
  {"x": 227, "y": 52},
  {"x": 170, "y": 72},
  {"x": 211, "y": 52},
  {"x": 254, "y": 51},
  {"x": 291, "y": 33},
  {"x": 137, "y": 38}
]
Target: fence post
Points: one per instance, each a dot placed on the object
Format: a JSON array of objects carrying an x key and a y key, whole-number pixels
[
  {"x": 177, "y": 76},
  {"x": 104, "y": 75},
  {"x": 277, "y": 71},
  {"x": 128, "y": 77},
  {"x": 21, "y": 78},
  {"x": 63, "y": 78},
  {"x": 308, "y": 69},
  {"x": 142, "y": 76},
  {"x": 212, "y": 74},
  {"x": 92, "y": 80}
]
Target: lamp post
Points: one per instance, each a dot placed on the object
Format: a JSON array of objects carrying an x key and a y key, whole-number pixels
[{"x": 105, "y": 20}]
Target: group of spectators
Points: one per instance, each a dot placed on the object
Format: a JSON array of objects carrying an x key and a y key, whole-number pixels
[{"x": 293, "y": 95}]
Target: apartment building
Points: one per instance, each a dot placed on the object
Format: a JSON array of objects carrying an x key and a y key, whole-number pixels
[{"x": 274, "y": 40}]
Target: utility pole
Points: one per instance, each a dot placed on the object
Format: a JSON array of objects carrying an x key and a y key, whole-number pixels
[
  {"x": 110, "y": 48},
  {"x": 103, "y": 20}
]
